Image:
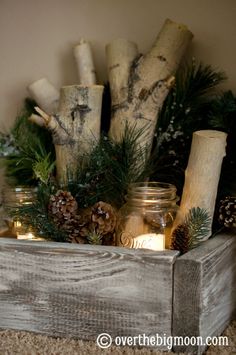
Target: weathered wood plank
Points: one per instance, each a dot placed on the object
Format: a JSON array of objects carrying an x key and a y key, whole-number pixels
[
  {"x": 205, "y": 290},
  {"x": 82, "y": 291}
]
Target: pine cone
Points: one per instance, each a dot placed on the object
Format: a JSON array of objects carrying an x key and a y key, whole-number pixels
[
  {"x": 99, "y": 221},
  {"x": 73, "y": 229},
  {"x": 104, "y": 217},
  {"x": 180, "y": 239},
  {"x": 86, "y": 225},
  {"x": 227, "y": 212},
  {"x": 62, "y": 207}
]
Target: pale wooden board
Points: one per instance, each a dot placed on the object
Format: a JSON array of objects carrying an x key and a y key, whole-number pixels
[
  {"x": 205, "y": 290},
  {"x": 81, "y": 291}
]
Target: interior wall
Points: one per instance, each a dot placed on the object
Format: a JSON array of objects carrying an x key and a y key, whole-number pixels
[{"x": 37, "y": 37}]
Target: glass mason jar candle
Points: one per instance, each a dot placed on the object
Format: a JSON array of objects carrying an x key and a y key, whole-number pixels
[
  {"x": 146, "y": 220},
  {"x": 13, "y": 198}
]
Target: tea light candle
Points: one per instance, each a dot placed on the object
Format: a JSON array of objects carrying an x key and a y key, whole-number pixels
[
  {"x": 28, "y": 236},
  {"x": 149, "y": 241}
]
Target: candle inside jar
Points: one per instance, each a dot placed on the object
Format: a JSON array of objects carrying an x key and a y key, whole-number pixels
[
  {"x": 29, "y": 236},
  {"x": 149, "y": 241}
]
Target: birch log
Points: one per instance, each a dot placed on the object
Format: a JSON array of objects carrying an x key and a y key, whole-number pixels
[
  {"x": 140, "y": 84},
  {"x": 45, "y": 94},
  {"x": 76, "y": 127},
  {"x": 84, "y": 60},
  {"x": 203, "y": 172}
]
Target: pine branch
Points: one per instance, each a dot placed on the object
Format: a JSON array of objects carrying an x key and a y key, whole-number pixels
[
  {"x": 109, "y": 170},
  {"x": 198, "y": 222},
  {"x": 192, "y": 232},
  {"x": 185, "y": 110},
  {"x": 32, "y": 144},
  {"x": 222, "y": 112}
]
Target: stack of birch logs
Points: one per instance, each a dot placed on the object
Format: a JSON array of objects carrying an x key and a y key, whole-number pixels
[{"x": 139, "y": 85}]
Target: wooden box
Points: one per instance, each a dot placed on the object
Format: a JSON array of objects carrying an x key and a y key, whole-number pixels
[{"x": 81, "y": 291}]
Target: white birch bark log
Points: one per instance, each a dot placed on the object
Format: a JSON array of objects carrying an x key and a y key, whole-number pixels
[
  {"x": 203, "y": 172},
  {"x": 120, "y": 55},
  {"x": 75, "y": 129},
  {"x": 45, "y": 94},
  {"x": 84, "y": 60},
  {"x": 140, "y": 84}
]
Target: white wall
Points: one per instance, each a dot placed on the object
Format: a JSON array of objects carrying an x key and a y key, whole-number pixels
[{"x": 37, "y": 36}]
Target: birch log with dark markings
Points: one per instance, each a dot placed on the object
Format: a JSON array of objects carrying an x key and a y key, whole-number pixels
[
  {"x": 139, "y": 84},
  {"x": 81, "y": 291},
  {"x": 205, "y": 290},
  {"x": 76, "y": 127}
]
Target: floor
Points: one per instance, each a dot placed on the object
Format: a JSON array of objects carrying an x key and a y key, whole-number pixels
[{"x": 23, "y": 343}]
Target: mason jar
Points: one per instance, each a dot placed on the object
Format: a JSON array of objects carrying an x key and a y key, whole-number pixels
[
  {"x": 146, "y": 219},
  {"x": 13, "y": 198}
]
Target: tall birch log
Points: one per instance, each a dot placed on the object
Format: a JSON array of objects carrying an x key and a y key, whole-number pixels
[
  {"x": 203, "y": 172},
  {"x": 140, "y": 83},
  {"x": 76, "y": 127},
  {"x": 84, "y": 60},
  {"x": 45, "y": 94}
]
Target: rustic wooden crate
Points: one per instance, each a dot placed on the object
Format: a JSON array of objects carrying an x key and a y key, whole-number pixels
[
  {"x": 81, "y": 291},
  {"x": 205, "y": 290}
]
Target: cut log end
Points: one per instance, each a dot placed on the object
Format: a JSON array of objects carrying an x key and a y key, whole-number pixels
[{"x": 180, "y": 26}]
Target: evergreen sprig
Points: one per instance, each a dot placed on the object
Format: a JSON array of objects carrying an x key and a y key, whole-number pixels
[
  {"x": 32, "y": 144},
  {"x": 110, "y": 168},
  {"x": 193, "y": 231},
  {"x": 187, "y": 108},
  {"x": 223, "y": 116},
  {"x": 198, "y": 222}
]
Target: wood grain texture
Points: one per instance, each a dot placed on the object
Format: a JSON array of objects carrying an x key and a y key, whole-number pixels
[
  {"x": 81, "y": 291},
  {"x": 205, "y": 290}
]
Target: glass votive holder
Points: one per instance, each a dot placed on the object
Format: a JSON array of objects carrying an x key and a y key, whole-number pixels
[
  {"x": 146, "y": 219},
  {"x": 13, "y": 198}
]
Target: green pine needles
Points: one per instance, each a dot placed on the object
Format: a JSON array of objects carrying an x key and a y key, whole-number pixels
[
  {"x": 111, "y": 167},
  {"x": 33, "y": 148},
  {"x": 191, "y": 105},
  {"x": 198, "y": 222},
  {"x": 195, "y": 228}
]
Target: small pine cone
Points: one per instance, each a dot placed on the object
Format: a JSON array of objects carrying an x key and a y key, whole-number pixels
[
  {"x": 72, "y": 227},
  {"x": 62, "y": 207},
  {"x": 180, "y": 239},
  {"x": 227, "y": 212},
  {"x": 104, "y": 217},
  {"x": 86, "y": 225}
]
